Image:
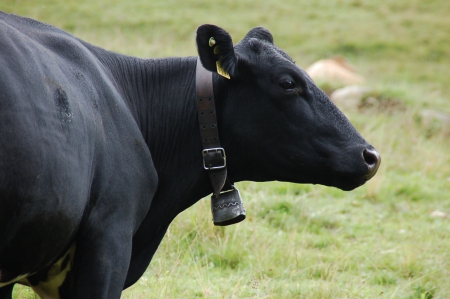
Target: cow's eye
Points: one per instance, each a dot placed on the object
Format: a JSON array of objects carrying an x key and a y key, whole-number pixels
[{"x": 287, "y": 83}]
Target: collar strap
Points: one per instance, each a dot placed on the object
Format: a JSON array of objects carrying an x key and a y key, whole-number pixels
[{"x": 214, "y": 158}]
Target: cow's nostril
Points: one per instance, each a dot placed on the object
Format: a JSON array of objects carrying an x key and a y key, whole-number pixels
[
  {"x": 373, "y": 160},
  {"x": 371, "y": 157}
]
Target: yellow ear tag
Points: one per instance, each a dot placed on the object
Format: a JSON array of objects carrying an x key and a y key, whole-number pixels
[
  {"x": 221, "y": 71},
  {"x": 211, "y": 42}
]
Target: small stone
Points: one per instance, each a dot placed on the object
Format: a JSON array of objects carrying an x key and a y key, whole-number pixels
[{"x": 438, "y": 214}]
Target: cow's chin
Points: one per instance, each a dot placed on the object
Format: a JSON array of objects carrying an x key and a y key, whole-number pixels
[
  {"x": 349, "y": 185},
  {"x": 344, "y": 183}
]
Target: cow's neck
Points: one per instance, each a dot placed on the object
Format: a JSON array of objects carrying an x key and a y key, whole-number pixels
[{"x": 161, "y": 95}]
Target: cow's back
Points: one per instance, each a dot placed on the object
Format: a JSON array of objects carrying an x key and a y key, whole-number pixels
[{"x": 70, "y": 151}]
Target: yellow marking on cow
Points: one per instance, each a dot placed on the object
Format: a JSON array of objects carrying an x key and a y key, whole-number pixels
[
  {"x": 211, "y": 42},
  {"x": 221, "y": 71},
  {"x": 49, "y": 289}
]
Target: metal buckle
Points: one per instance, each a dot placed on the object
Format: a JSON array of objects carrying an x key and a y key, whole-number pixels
[{"x": 216, "y": 149}]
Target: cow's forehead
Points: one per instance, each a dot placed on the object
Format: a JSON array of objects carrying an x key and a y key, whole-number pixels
[
  {"x": 260, "y": 50},
  {"x": 283, "y": 54}
]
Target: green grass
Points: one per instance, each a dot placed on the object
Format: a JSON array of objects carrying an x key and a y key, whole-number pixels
[{"x": 302, "y": 241}]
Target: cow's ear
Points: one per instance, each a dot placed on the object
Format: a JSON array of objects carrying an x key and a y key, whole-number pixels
[
  {"x": 215, "y": 49},
  {"x": 260, "y": 33}
]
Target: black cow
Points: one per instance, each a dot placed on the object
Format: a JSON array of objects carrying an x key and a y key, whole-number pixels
[{"x": 100, "y": 151}]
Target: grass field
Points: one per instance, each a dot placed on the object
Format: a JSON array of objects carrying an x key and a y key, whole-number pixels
[{"x": 302, "y": 241}]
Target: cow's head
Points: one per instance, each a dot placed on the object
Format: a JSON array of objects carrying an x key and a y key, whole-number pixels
[{"x": 274, "y": 122}]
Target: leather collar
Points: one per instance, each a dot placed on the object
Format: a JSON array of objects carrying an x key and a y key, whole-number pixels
[{"x": 214, "y": 158}]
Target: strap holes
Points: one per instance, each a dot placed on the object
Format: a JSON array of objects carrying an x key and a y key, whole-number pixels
[
  {"x": 206, "y": 140},
  {"x": 204, "y": 127},
  {"x": 212, "y": 126},
  {"x": 214, "y": 138},
  {"x": 201, "y": 114},
  {"x": 209, "y": 99},
  {"x": 212, "y": 112}
]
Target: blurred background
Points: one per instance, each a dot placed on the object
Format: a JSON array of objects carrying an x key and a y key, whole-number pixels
[{"x": 386, "y": 64}]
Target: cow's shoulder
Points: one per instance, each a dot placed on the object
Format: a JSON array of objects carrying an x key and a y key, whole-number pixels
[{"x": 57, "y": 91}]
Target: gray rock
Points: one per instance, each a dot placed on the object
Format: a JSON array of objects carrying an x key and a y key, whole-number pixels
[{"x": 349, "y": 97}]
